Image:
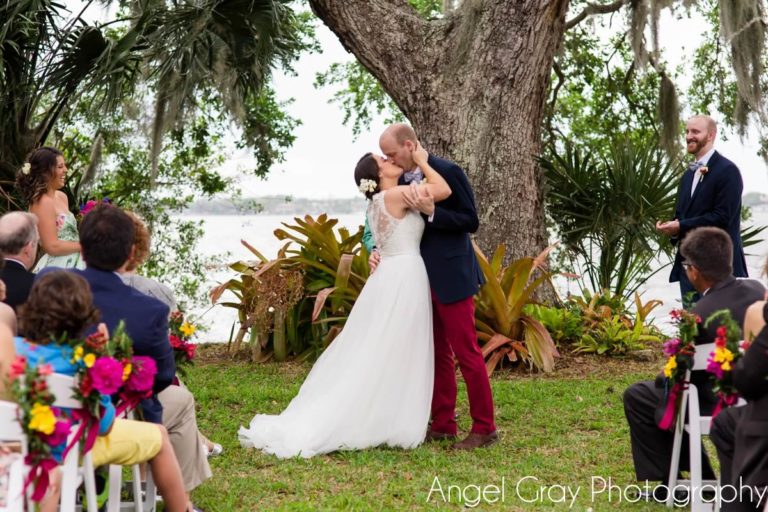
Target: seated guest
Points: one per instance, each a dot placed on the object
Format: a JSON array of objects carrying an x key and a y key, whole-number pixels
[
  {"x": 60, "y": 304},
  {"x": 18, "y": 247},
  {"x": 740, "y": 434},
  {"x": 708, "y": 256},
  {"x": 141, "y": 252},
  {"x": 106, "y": 238}
]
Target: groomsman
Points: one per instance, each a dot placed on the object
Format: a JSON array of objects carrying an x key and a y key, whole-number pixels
[
  {"x": 709, "y": 195},
  {"x": 454, "y": 277}
]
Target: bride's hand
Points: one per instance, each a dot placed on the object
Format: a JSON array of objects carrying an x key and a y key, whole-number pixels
[{"x": 420, "y": 154}]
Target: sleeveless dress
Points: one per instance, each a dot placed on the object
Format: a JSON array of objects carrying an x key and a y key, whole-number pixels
[
  {"x": 373, "y": 385},
  {"x": 66, "y": 224}
]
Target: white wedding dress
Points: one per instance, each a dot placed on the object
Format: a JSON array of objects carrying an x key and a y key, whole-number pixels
[{"x": 373, "y": 385}]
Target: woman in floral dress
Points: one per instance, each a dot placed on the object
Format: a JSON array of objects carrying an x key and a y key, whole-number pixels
[{"x": 39, "y": 180}]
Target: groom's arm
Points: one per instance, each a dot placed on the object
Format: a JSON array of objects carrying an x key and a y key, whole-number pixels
[{"x": 464, "y": 217}]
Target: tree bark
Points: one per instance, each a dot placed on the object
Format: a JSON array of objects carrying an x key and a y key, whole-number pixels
[{"x": 473, "y": 85}]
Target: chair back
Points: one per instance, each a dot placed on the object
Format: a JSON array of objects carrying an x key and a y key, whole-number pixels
[
  {"x": 702, "y": 355},
  {"x": 10, "y": 428},
  {"x": 61, "y": 387}
]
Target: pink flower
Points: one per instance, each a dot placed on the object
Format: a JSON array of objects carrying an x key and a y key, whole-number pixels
[
  {"x": 671, "y": 347},
  {"x": 107, "y": 375},
  {"x": 714, "y": 368},
  {"x": 87, "y": 207},
  {"x": 60, "y": 432},
  {"x": 143, "y": 375},
  {"x": 190, "y": 348},
  {"x": 18, "y": 366},
  {"x": 45, "y": 369}
]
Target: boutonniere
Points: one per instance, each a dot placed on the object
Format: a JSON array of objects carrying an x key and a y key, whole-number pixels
[{"x": 703, "y": 170}]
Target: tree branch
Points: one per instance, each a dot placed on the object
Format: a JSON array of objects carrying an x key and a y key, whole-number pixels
[
  {"x": 591, "y": 9},
  {"x": 387, "y": 36}
]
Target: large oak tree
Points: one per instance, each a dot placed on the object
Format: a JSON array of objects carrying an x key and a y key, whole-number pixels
[{"x": 474, "y": 83}]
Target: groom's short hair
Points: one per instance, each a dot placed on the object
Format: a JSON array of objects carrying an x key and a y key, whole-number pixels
[
  {"x": 106, "y": 237},
  {"x": 402, "y": 132}
]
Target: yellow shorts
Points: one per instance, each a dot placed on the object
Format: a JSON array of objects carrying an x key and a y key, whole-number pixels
[{"x": 129, "y": 442}]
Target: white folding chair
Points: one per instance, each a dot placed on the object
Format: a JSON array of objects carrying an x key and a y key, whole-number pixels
[
  {"x": 146, "y": 501},
  {"x": 11, "y": 431},
  {"x": 696, "y": 426},
  {"x": 72, "y": 474}
]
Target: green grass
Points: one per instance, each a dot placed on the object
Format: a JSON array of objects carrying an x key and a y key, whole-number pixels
[{"x": 560, "y": 430}]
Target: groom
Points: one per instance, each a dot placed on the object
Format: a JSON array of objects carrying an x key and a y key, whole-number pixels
[{"x": 454, "y": 277}]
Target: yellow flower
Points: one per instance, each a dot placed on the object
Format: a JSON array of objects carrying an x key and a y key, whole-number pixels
[
  {"x": 78, "y": 354},
  {"x": 89, "y": 360},
  {"x": 43, "y": 419},
  {"x": 126, "y": 371},
  {"x": 670, "y": 367},
  {"x": 724, "y": 356},
  {"x": 187, "y": 329},
  {"x": 726, "y": 366}
]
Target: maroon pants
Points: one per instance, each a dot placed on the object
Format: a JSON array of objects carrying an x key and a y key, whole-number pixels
[{"x": 454, "y": 326}]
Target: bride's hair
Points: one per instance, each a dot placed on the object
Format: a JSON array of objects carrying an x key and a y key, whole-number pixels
[{"x": 367, "y": 169}]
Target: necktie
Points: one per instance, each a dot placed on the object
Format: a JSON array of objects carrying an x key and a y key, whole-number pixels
[
  {"x": 694, "y": 167},
  {"x": 416, "y": 176}
]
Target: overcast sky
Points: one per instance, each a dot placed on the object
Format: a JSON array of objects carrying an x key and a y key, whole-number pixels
[{"x": 321, "y": 160}]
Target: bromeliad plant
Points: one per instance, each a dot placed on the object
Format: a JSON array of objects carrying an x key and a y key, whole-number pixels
[
  {"x": 680, "y": 352},
  {"x": 45, "y": 426},
  {"x": 301, "y": 297},
  {"x": 503, "y": 327}
]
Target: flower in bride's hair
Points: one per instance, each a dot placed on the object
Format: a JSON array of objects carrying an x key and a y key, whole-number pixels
[
  {"x": 367, "y": 186},
  {"x": 26, "y": 168}
]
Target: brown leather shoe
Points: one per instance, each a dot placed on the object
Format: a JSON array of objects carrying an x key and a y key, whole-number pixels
[
  {"x": 433, "y": 435},
  {"x": 473, "y": 441}
]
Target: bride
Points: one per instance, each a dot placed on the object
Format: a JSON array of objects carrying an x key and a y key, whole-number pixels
[{"x": 373, "y": 385}]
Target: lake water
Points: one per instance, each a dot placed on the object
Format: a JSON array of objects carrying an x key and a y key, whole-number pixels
[{"x": 223, "y": 234}]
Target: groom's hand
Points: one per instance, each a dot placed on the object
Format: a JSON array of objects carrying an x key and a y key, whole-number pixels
[
  {"x": 420, "y": 198},
  {"x": 373, "y": 260}
]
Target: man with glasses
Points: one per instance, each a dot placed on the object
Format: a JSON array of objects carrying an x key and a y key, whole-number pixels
[{"x": 707, "y": 259}]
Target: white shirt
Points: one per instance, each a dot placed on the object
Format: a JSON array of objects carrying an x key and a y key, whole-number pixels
[{"x": 697, "y": 175}]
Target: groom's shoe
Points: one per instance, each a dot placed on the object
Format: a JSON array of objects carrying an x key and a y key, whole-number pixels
[
  {"x": 433, "y": 435},
  {"x": 473, "y": 441}
]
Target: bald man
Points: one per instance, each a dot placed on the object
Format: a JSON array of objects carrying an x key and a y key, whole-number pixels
[
  {"x": 18, "y": 247},
  {"x": 709, "y": 195}
]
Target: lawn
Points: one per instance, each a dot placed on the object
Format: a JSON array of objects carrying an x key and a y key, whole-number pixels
[{"x": 562, "y": 435}]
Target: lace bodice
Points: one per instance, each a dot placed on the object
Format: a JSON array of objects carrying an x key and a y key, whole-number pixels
[{"x": 394, "y": 236}]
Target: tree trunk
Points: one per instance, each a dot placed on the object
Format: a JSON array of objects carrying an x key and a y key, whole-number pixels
[{"x": 473, "y": 85}]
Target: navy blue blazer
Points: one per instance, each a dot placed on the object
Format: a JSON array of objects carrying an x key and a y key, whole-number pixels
[
  {"x": 146, "y": 322},
  {"x": 453, "y": 271},
  {"x": 716, "y": 202}
]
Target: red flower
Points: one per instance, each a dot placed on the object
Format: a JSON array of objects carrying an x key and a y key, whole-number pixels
[
  {"x": 176, "y": 342},
  {"x": 45, "y": 369},
  {"x": 96, "y": 341},
  {"x": 745, "y": 345},
  {"x": 86, "y": 385},
  {"x": 720, "y": 342},
  {"x": 721, "y": 332},
  {"x": 18, "y": 366},
  {"x": 190, "y": 348}
]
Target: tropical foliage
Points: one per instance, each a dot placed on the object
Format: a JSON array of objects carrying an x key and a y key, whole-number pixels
[
  {"x": 297, "y": 303},
  {"x": 599, "y": 323},
  {"x": 503, "y": 327},
  {"x": 605, "y": 208},
  {"x": 183, "y": 51}
]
